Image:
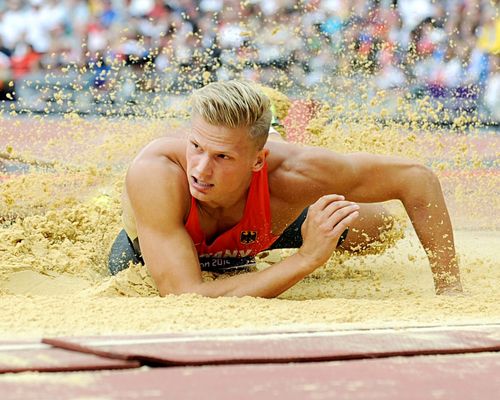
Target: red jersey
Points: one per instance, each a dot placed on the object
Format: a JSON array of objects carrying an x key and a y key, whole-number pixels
[{"x": 250, "y": 236}]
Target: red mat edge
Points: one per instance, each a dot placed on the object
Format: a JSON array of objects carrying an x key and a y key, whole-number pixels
[
  {"x": 70, "y": 346},
  {"x": 125, "y": 364},
  {"x": 276, "y": 360},
  {"x": 128, "y": 365}
]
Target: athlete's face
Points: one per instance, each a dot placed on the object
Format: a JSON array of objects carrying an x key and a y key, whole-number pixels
[{"x": 220, "y": 162}]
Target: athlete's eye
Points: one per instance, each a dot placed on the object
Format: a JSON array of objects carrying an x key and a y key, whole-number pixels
[
  {"x": 195, "y": 145},
  {"x": 223, "y": 156}
]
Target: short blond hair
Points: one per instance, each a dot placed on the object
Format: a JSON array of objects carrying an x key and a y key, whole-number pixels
[{"x": 234, "y": 104}]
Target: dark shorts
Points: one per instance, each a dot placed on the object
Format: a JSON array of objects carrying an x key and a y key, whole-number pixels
[{"x": 125, "y": 250}]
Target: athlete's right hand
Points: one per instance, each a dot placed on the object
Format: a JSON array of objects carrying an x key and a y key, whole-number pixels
[{"x": 326, "y": 220}]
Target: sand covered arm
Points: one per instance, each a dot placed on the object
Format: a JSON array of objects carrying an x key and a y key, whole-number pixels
[{"x": 370, "y": 178}]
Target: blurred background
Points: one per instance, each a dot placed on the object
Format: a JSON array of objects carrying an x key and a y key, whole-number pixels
[{"x": 106, "y": 56}]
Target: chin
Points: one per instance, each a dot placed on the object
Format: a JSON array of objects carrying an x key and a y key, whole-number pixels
[
  {"x": 194, "y": 192},
  {"x": 197, "y": 194}
]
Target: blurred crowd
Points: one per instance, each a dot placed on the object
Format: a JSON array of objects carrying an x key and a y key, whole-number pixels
[{"x": 437, "y": 48}]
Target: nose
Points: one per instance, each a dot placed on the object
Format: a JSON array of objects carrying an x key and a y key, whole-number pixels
[{"x": 204, "y": 166}]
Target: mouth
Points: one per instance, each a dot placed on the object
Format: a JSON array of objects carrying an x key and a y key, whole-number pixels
[{"x": 200, "y": 185}]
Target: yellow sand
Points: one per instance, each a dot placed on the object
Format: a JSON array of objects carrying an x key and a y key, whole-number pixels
[{"x": 58, "y": 223}]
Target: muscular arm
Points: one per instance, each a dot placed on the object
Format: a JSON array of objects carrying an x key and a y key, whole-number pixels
[
  {"x": 158, "y": 192},
  {"x": 373, "y": 178}
]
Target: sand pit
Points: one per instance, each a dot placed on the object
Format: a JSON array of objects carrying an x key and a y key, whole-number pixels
[{"x": 59, "y": 218}]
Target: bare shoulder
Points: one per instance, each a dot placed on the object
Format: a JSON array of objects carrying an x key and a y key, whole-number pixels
[
  {"x": 284, "y": 156},
  {"x": 165, "y": 147},
  {"x": 296, "y": 168},
  {"x": 156, "y": 179},
  {"x": 302, "y": 174}
]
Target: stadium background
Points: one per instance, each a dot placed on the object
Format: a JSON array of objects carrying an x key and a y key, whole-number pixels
[{"x": 101, "y": 55}]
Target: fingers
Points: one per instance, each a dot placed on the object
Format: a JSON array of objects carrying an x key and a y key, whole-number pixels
[
  {"x": 326, "y": 220},
  {"x": 335, "y": 206},
  {"x": 450, "y": 290},
  {"x": 339, "y": 227},
  {"x": 324, "y": 201},
  {"x": 333, "y": 214},
  {"x": 338, "y": 213}
]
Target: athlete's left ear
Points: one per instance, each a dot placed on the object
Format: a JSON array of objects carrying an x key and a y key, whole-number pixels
[{"x": 260, "y": 160}]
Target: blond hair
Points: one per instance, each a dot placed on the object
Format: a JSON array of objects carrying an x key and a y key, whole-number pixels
[{"x": 234, "y": 104}]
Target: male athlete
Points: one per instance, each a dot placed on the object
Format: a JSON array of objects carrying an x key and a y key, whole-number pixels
[{"x": 224, "y": 193}]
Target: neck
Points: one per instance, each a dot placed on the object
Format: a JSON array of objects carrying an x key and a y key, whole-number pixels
[{"x": 223, "y": 209}]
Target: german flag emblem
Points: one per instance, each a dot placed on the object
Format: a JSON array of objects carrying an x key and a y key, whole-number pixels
[{"x": 247, "y": 237}]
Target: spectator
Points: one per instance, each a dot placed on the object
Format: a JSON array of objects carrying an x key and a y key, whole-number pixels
[
  {"x": 492, "y": 92},
  {"x": 12, "y": 23},
  {"x": 24, "y": 60},
  {"x": 436, "y": 46}
]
